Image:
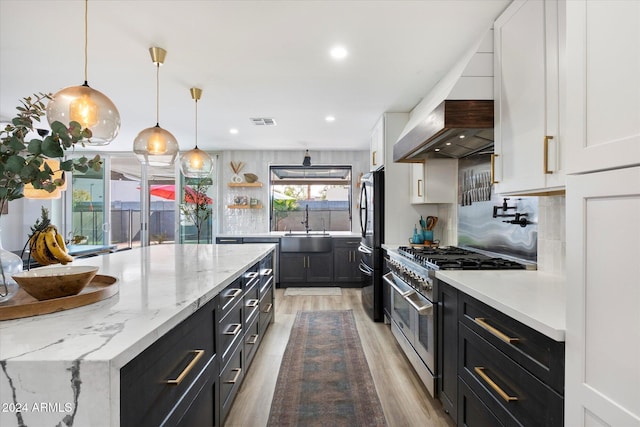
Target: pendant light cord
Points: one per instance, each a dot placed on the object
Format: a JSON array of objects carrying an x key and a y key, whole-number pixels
[
  {"x": 158, "y": 94},
  {"x": 86, "y": 41},
  {"x": 196, "y": 124}
]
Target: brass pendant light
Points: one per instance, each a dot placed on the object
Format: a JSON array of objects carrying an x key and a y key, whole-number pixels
[
  {"x": 196, "y": 163},
  {"x": 155, "y": 146},
  {"x": 87, "y": 106}
]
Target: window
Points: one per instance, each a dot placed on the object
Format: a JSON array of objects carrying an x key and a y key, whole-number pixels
[{"x": 310, "y": 198}]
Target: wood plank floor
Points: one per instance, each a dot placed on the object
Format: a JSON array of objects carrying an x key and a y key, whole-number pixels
[{"x": 404, "y": 399}]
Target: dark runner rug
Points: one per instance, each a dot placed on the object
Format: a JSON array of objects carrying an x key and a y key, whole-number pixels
[{"x": 324, "y": 378}]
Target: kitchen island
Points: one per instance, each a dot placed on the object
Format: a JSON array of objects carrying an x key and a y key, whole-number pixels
[{"x": 64, "y": 368}]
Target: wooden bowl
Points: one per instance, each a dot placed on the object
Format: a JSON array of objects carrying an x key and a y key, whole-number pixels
[
  {"x": 55, "y": 282},
  {"x": 250, "y": 177}
]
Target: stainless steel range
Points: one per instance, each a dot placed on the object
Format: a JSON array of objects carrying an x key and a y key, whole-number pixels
[{"x": 414, "y": 298}]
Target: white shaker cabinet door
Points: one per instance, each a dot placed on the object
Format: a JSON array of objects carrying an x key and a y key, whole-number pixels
[
  {"x": 603, "y": 299},
  {"x": 603, "y": 84},
  {"x": 527, "y": 77}
]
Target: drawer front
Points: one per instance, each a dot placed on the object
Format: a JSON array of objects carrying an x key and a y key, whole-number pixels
[
  {"x": 266, "y": 310},
  {"x": 251, "y": 304},
  {"x": 503, "y": 385},
  {"x": 251, "y": 278},
  {"x": 230, "y": 380},
  {"x": 152, "y": 382},
  {"x": 230, "y": 331},
  {"x": 265, "y": 285},
  {"x": 252, "y": 338},
  {"x": 230, "y": 296},
  {"x": 536, "y": 352},
  {"x": 472, "y": 412}
]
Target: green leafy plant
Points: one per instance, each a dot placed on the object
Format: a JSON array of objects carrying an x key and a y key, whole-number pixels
[{"x": 22, "y": 159}]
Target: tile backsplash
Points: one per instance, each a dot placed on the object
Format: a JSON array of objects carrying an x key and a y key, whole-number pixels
[{"x": 551, "y": 234}]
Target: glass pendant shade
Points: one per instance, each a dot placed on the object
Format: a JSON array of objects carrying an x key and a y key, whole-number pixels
[
  {"x": 156, "y": 147},
  {"x": 196, "y": 163},
  {"x": 89, "y": 107}
]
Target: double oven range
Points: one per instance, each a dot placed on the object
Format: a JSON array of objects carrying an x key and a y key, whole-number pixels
[{"x": 414, "y": 298}]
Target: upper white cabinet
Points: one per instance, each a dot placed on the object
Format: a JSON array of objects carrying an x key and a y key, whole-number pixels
[
  {"x": 603, "y": 84},
  {"x": 527, "y": 70},
  {"x": 376, "y": 154},
  {"x": 434, "y": 181}
]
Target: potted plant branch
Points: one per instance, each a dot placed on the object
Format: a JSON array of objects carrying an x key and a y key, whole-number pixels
[
  {"x": 22, "y": 158},
  {"x": 196, "y": 205}
]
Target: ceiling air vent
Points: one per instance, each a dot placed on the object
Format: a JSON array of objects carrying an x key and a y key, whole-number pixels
[{"x": 263, "y": 121}]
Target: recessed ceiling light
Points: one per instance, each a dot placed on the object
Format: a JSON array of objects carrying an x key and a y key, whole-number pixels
[
  {"x": 233, "y": 131},
  {"x": 339, "y": 52},
  {"x": 330, "y": 118},
  {"x": 448, "y": 143},
  {"x": 461, "y": 137},
  {"x": 437, "y": 149}
]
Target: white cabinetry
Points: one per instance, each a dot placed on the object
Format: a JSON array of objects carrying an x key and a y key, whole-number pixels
[
  {"x": 376, "y": 154},
  {"x": 603, "y": 231},
  {"x": 527, "y": 70},
  {"x": 434, "y": 181},
  {"x": 603, "y": 84}
]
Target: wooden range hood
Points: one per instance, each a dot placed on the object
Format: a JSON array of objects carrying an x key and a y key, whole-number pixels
[{"x": 454, "y": 129}]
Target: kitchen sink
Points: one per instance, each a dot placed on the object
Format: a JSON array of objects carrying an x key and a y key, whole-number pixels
[{"x": 306, "y": 242}]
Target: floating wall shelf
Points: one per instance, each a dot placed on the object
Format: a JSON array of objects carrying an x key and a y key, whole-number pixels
[
  {"x": 245, "y": 184},
  {"x": 244, "y": 207}
]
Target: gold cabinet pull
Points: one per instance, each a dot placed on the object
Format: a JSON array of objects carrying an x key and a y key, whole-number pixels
[
  {"x": 480, "y": 371},
  {"x": 493, "y": 168},
  {"x": 233, "y": 293},
  {"x": 546, "y": 154},
  {"x": 197, "y": 356},
  {"x": 268, "y": 309},
  {"x": 419, "y": 187},
  {"x": 373, "y": 158},
  {"x": 236, "y": 328},
  {"x": 235, "y": 377},
  {"x": 252, "y": 339},
  {"x": 252, "y": 303},
  {"x": 504, "y": 337}
]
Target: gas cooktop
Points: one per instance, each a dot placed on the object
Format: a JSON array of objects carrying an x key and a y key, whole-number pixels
[{"x": 454, "y": 258}]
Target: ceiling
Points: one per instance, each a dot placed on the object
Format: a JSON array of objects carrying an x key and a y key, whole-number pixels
[{"x": 265, "y": 59}]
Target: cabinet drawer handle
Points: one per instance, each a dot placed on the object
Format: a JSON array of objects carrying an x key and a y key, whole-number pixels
[
  {"x": 185, "y": 371},
  {"x": 268, "y": 309},
  {"x": 233, "y": 293},
  {"x": 228, "y": 240},
  {"x": 480, "y": 371},
  {"x": 235, "y": 377},
  {"x": 252, "y": 339},
  {"x": 236, "y": 328},
  {"x": 504, "y": 337},
  {"x": 373, "y": 158},
  {"x": 252, "y": 303},
  {"x": 546, "y": 154},
  {"x": 266, "y": 272},
  {"x": 493, "y": 168},
  {"x": 251, "y": 274},
  {"x": 419, "y": 188}
]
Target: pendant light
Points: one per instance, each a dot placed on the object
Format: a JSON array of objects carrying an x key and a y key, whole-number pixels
[
  {"x": 307, "y": 159},
  {"x": 196, "y": 163},
  {"x": 155, "y": 146},
  {"x": 87, "y": 106}
]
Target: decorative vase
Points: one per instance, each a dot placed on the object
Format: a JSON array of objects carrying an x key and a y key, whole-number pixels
[{"x": 11, "y": 264}]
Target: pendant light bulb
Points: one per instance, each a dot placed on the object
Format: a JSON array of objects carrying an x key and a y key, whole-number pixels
[
  {"x": 156, "y": 146},
  {"x": 87, "y": 106},
  {"x": 196, "y": 163}
]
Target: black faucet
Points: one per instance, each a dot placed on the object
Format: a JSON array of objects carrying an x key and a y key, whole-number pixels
[
  {"x": 504, "y": 209},
  {"x": 306, "y": 219}
]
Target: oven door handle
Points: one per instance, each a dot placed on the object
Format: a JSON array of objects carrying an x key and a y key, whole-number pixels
[
  {"x": 364, "y": 250},
  {"x": 421, "y": 309},
  {"x": 391, "y": 283},
  {"x": 365, "y": 269}
]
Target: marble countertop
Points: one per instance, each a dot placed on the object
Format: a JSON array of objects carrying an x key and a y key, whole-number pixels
[
  {"x": 534, "y": 298},
  {"x": 64, "y": 368},
  {"x": 159, "y": 286},
  {"x": 282, "y": 233}
]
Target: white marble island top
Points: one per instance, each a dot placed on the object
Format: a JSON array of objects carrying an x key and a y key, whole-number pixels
[
  {"x": 534, "y": 298},
  {"x": 68, "y": 363}
]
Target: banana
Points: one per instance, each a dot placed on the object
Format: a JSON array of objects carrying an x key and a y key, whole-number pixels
[
  {"x": 42, "y": 253},
  {"x": 54, "y": 248},
  {"x": 33, "y": 246},
  {"x": 61, "y": 242}
]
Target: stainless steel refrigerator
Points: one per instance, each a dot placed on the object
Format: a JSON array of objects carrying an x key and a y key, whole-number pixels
[{"x": 371, "y": 215}]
